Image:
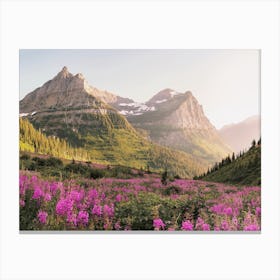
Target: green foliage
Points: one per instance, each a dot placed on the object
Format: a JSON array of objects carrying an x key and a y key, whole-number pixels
[
  {"x": 117, "y": 146},
  {"x": 164, "y": 177},
  {"x": 54, "y": 167},
  {"x": 244, "y": 169},
  {"x": 28, "y": 213},
  {"x": 32, "y": 140},
  {"x": 172, "y": 190},
  {"x": 138, "y": 212}
]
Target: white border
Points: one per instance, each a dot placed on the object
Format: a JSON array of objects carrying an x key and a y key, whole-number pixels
[{"x": 157, "y": 24}]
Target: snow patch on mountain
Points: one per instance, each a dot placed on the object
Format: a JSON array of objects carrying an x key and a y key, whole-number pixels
[
  {"x": 161, "y": 101},
  {"x": 136, "y": 109}
]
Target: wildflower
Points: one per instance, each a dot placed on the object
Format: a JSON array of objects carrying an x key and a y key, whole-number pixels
[
  {"x": 93, "y": 194},
  {"x": 117, "y": 226},
  {"x": 64, "y": 206},
  {"x": 158, "y": 223},
  {"x": 42, "y": 216},
  {"x": 83, "y": 217},
  {"x": 108, "y": 211},
  {"x": 205, "y": 227},
  {"x": 187, "y": 225},
  {"x": 199, "y": 223},
  {"x": 22, "y": 202},
  {"x": 252, "y": 227},
  {"x": 72, "y": 218},
  {"x": 38, "y": 193},
  {"x": 118, "y": 198},
  {"x": 47, "y": 197},
  {"x": 75, "y": 195},
  {"x": 97, "y": 210},
  {"x": 53, "y": 187},
  {"x": 228, "y": 211},
  {"x": 224, "y": 225}
]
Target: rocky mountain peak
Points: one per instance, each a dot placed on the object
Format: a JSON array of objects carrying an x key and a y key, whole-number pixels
[
  {"x": 162, "y": 96},
  {"x": 63, "y": 91},
  {"x": 64, "y": 73},
  {"x": 80, "y": 76}
]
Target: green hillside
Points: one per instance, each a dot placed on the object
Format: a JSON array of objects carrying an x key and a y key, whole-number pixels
[
  {"x": 245, "y": 169},
  {"x": 116, "y": 144}
]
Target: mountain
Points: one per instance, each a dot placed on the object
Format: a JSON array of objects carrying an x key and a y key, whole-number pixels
[
  {"x": 66, "y": 107},
  {"x": 243, "y": 170},
  {"x": 68, "y": 91},
  {"x": 239, "y": 135},
  {"x": 177, "y": 120}
]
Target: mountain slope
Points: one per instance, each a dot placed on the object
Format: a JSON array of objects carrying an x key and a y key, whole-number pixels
[
  {"x": 177, "y": 120},
  {"x": 239, "y": 135},
  {"x": 68, "y": 108},
  {"x": 244, "y": 170}
]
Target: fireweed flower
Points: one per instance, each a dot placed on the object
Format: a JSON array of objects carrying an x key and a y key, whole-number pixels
[
  {"x": 228, "y": 211},
  {"x": 72, "y": 218},
  {"x": 117, "y": 226},
  {"x": 108, "y": 211},
  {"x": 38, "y": 193},
  {"x": 76, "y": 195},
  {"x": 64, "y": 206},
  {"x": 83, "y": 218},
  {"x": 187, "y": 225},
  {"x": 224, "y": 225},
  {"x": 93, "y": 194},
  {"x": 97, "y": 210},
  {"x": 199, "y": 223},
  {"x": 252, "y": 227},
  {"x": 47, "y": 197},
  {"x": 118, "y": 198},
  {"x": 158, "y": 223},
  {"x": 22, "y": 202},
  {"x": 205, "y": 227},
  {"x": 42, "y": 216}
]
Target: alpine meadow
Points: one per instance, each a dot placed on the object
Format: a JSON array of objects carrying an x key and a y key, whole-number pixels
[{"x": 185, "y": 157}]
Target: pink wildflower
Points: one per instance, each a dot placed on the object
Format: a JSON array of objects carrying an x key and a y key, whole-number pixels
[
  {"x": 47, "y": 197},
  {"x": 224, "y": 225},
  {"x": 42, "y": 216},
  {"x": 38, "y": 193},
  {"x": 83, "y": 218},
  {"x": 205, "y": 227},
  {"x": 64, "y": 206},
  {"x": 158, "y": 223},
  {"x": 187, "y": 225},
  {"x": 252, "y": 227},
  {"x": 97, "y": 210}
]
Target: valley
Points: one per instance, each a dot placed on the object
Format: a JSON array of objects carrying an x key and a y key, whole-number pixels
[{"x": 93, "y": 160}]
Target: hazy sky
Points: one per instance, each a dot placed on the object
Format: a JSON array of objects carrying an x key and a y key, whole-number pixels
[{"x": 225, "y": 82}]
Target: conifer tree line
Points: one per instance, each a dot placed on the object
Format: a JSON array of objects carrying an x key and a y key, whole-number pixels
[
  {"x": 32, "y": 140},
  {"x": 228, "y": 160}
]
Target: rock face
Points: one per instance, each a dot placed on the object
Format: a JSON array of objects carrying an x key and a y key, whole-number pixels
[
  {"x": 189, "y": 115},
  {"x": 239, "y": 136},
  {"x": 68, "y": 107},
  {"x": 178, "y": 121},
  {"x": 65, "y": 90}
]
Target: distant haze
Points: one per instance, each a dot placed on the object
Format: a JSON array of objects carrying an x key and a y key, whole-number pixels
[
  {"x": 239, "y": 136},
  {"x": 225, "y": 82}
]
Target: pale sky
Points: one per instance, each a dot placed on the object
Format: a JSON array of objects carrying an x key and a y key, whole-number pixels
[{"x": 225, "y": 82}]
